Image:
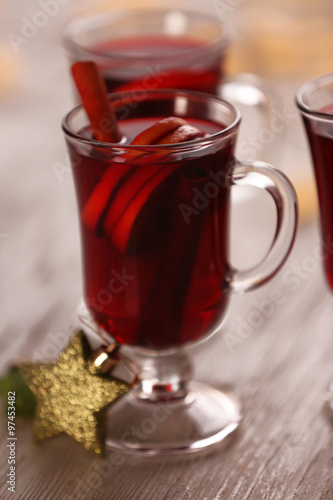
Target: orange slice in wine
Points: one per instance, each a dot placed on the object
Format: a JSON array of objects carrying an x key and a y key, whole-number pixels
[{"x": 130, "y": 202}]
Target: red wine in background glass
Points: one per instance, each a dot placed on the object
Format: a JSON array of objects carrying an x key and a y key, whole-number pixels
[
  {"x": 155, "y": 248},
  {"x": 320, "y": 135},
  {"x": 203, "y": 75}
]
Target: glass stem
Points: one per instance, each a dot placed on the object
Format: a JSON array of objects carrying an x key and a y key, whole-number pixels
[{"x": 163, "y": 378}]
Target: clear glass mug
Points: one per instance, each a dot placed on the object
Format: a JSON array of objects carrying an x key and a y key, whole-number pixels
[
  {"x": 155, "y": 237},
  {"x": 174, "y": 48},
  {"x": 315, "y": 102}
]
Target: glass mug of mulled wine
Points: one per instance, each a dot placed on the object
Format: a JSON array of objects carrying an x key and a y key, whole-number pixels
[
  {"x": 165, "y": 48},
  {"x": 315, "y": 102},
  {"x": 154, "y": 225}
]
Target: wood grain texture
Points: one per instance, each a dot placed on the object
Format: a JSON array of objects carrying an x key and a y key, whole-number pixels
[{"x": 284, "y": 449}]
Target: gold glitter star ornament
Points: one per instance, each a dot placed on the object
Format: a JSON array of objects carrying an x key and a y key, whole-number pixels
[{"x": 72, "y": 396}]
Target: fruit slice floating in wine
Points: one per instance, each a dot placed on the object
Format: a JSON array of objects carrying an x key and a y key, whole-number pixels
[
  {"x": 183, "y": 133},
  {"x": 155, "y": 133},
  {"x": 130, "y": 200},
  {"x": 146, "y": 211},
  {"x": 99, "y": 199}
]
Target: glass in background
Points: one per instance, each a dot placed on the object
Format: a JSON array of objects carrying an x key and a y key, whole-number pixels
[{"x": 286, "y": 42}]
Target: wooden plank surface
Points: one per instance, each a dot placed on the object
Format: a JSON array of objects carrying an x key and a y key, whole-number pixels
[{"x": 284, "y": 449}]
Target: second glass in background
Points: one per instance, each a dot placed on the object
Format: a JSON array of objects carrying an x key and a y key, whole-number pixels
[{"x": 165, "y": 48}]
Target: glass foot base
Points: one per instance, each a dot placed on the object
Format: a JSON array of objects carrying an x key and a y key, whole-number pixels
[{"x": 204, "y": 418}]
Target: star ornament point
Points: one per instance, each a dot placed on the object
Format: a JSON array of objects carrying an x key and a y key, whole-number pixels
[{"x": 72, "y": 397}]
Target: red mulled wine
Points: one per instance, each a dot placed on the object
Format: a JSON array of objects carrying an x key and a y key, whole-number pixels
[
  {"x": 202, "y": 74},
  {"x": 320, "y": 135},
  {"x": 154, "y": 227}
]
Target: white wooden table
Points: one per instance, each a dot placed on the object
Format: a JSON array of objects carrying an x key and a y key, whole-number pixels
[{"x": 284, "y": 449}]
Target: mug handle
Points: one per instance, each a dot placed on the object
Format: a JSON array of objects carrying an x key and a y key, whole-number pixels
[
  {"x": 250, "y": 92},
  {"x": 262, "y": 175}
]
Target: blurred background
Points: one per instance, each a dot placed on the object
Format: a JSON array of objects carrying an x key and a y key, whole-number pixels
[{"x": 285, "y": 42}]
